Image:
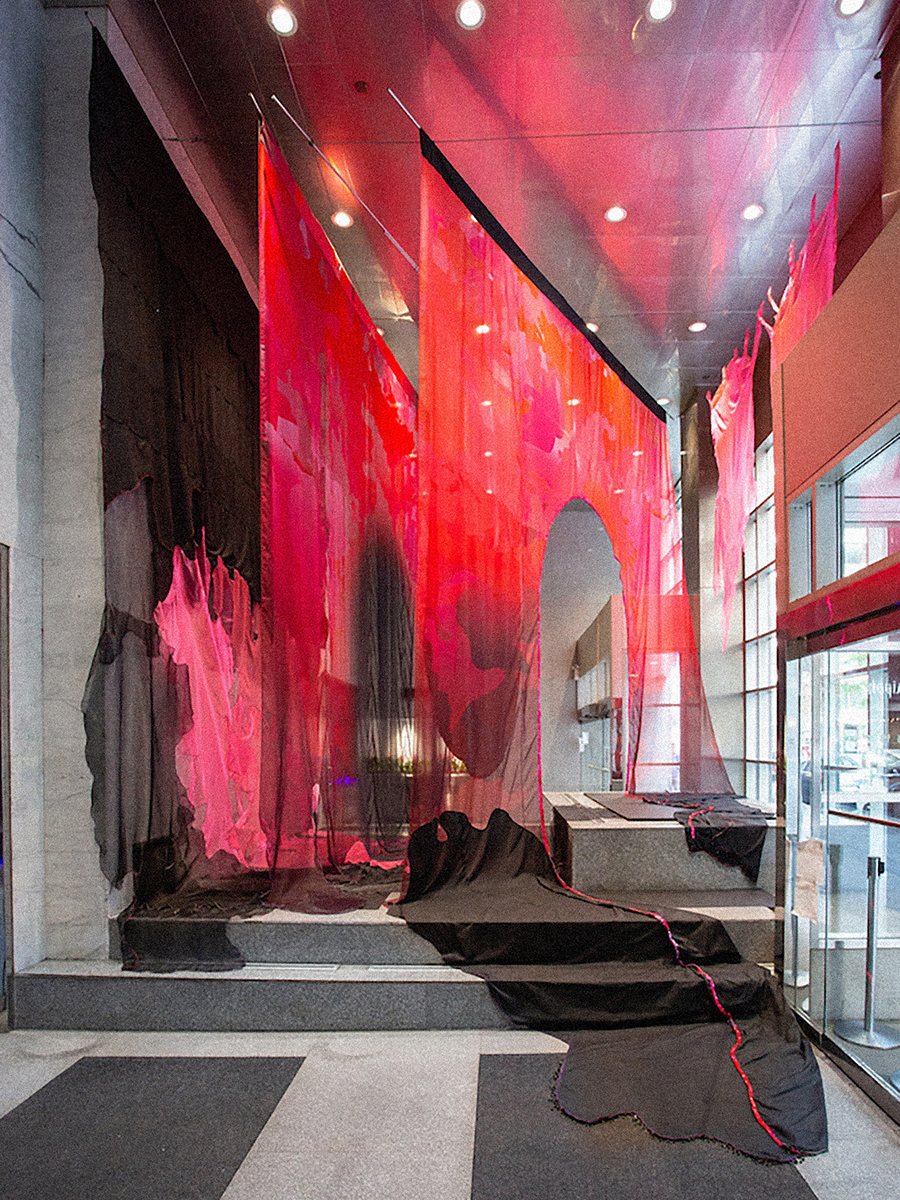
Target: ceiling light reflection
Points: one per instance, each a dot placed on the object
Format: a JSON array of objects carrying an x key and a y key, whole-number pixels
[
  {"x": 592, "y": 327},
  {"x": 342, "y": 219},
  {"x": 849, "y": 8},
  {"x": 697, "y": 326},
  {"x": 753, "y": 212},
  {"x": 660, "y": 10},
  {"x": 282, "y": 20},
  {"x": 616, "y": 213},
  {"x": 470, "y": 14},
  {"x": 482, "y": 329}
]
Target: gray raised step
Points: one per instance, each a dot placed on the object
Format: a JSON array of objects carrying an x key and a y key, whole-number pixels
[
  {"x": 608, "y": 852},
  {"x": 258, "y": 997},
  {"x": 363, "y": 938}
]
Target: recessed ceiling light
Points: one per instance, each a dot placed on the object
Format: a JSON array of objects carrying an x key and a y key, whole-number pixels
[
  {"x": 618, "y": 491},
  {"x": 592, "y": 327},
  {"x": 616, "y": 213},
  {"x": 489, "y": 491},
  {"x": 282, "y": 20},
  {"x": 660, "y": 10},
  {"x": 573, "y": 402},
  {"x": 849, "y": 8},
  {"x": 486, "y": 403},
  {"x": 753, "y": 212},
  {"x": 380, "y": 332},
  {"x": 482, "y": 329},
  {"x": 664, "y": 400},
  {"x": 470, "y": 14},
  {"x": 697, "y": 326},
  {"x": 637, "y": 453},
  {"x": 342, "y": 219},
  {"x": 488, "y": 454}
]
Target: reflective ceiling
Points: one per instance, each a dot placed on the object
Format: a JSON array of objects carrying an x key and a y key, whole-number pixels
[{"x": 553, "y": 110}]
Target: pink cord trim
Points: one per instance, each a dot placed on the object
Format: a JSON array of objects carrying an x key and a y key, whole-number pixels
[{"x": 680, "y": 961}]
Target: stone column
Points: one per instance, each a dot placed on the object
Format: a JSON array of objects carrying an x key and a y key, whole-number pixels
[{"x": 72, "y": 487}]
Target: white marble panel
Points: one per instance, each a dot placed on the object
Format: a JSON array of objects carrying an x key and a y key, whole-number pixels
[
  {"x": 21, "y": 369},
  {"x": 72, "y": 489}
]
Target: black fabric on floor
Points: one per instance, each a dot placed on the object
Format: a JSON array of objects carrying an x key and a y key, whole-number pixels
[
  {"x": 619, "y": 995},
  {"x": 489, "y": 901},
  {"x": 491, "y": 896},
  {"x": 139, "y": 1128},
  {"x": 525, "y": 1149},
  {"x": 724, "y": 827},
  {"x": 639, "y": 1071},
  {"x": 732, "y": 838}
]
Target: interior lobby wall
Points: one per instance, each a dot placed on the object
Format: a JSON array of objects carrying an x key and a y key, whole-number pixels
[
  {"x": 73, "y": 586},
  {"x": 21, "y": 351},
  {"x": 579, "y": 576}
]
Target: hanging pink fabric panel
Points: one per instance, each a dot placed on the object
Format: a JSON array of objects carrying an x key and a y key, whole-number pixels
[
  {"x": 208, "y": 625},
  {"x": 811, "y": 279},
  {"x": 731, "y": 420},
  {"x": 338, "y": 526},
  {"x": 518, "y": 413}
]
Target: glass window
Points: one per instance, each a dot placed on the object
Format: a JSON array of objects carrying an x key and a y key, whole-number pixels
[
  {"x": 857, "y": 515},
  {"x": 759, "y": 638},
  {"x": 800, "y": 545}
]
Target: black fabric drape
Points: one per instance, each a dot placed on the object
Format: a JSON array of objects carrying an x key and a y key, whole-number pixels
[
  {"x": 181, "y": 342},
  {"x": 180, "y": 441}
]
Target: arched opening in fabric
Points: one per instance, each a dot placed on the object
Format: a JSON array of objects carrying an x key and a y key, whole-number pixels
[
  {"x": 518, "y": 412},
  {"x": 579, "y": 576}
]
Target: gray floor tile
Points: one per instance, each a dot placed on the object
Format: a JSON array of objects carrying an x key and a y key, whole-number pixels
[
  {"x": 863, "y": 1162},
  {"x": 394, "y": 1119}
]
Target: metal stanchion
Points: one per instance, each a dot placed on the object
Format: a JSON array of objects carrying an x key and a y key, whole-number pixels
[{"x": 866, "y": 1032}]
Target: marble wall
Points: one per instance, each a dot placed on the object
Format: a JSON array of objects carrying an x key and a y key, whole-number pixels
[
  {"x": 21, "y": 351},
  {"x": 72, "y": 489}
]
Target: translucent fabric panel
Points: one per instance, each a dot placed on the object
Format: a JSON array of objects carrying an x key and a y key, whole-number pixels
[
  {"x": 208, "y": 625},
  {"x": 518, "y": 413},
  {"x": 338, "y": 483},
  {"x": 731, "y": 421},
  {"x": 810, "y": 282}
]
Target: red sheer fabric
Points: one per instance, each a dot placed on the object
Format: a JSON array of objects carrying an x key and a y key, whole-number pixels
[
  {"x": 208, "y": 625},
  {"x": 518, "y": 413},
  {"x": 811, "y": 279},
  {"x": 338, "y": 516},
  {"x": 731, "y": 420}
]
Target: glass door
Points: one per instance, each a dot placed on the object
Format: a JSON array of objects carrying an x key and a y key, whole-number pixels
[{"x": 842, "y": 896}]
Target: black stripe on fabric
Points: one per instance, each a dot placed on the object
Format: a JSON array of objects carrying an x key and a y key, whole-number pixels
[
  {"x": 140, "y": 1128},
  {"x": 489, "y": 222}
]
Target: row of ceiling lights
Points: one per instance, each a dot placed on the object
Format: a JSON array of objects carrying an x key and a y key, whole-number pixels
[{"x": 471, "y": 14}]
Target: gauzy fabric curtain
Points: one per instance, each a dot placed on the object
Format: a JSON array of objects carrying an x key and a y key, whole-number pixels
[
  {"x": 338, "y": 481},
  {"x": 518, "y": 413},
  {"x": 811, "y": 279},
  {"x": 731, "y": 421}
]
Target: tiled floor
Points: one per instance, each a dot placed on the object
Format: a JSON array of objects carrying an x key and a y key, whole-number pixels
[{"x": 391, "y": 1116}]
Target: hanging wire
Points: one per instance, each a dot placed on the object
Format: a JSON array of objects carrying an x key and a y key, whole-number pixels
[{"x": 353, "y": 192}]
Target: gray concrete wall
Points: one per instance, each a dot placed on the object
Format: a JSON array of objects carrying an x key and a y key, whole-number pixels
[
  {"x": 722, "y": 670},
  {"x": 579, "y": 576},
  {"x": 72, "y": 488},
  {"x": 21, "y": 350}
]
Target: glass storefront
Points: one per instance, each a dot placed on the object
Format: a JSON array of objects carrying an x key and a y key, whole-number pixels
[{"x": 842, "y": 809}]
